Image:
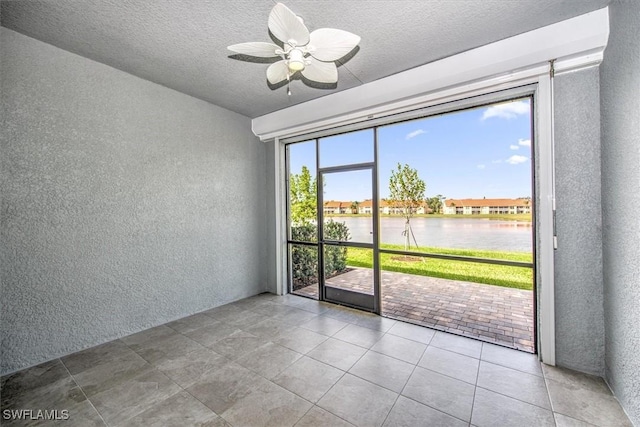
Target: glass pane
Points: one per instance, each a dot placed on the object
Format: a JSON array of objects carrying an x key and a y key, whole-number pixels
[
  {"x": 347, "y": 206},
  {"x": 476, "y": 169},
  {"x": 347, "y": 148},
  {"x": 303, "y": 264},
  {"x": 349, "y": 268},
  {"x": 302, "y": 191}
]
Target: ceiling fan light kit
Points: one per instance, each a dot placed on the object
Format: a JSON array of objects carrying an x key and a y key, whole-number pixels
[{"x": 312, "y": 54}]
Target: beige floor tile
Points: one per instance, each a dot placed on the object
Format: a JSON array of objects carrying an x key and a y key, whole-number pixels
[
  {"x": 400, "y": 348},
  {"x": 382, "y": 370},
  {"x": 134, "y": 396},
  {"x": 412, "y": 332},
  {"x": 148, "y": 335},
  {"x": 179, "y": 410},
  {"x": 587, "y": 405},
  {"x": 511, "y": 358},
  {"x": 324, "y": 325},
  {"x": 339, "y": 354},
  {"x": 309, "y": 378},
  {"x": 219, "y": 389},
  {"x": 377, "y": 323},
  {"x": 269, "y": 328},
  {"x": 191, "y": 323},
  {"x": 296, "y": 317},
  {"x": 237, "y": 344},
  {"x": 517, "y": 384},
  {"x": 359, "y": 335},
  {"x": 565, "y": 421},
  {"x": 189, "y": 368},
  {"x": 452, "y": 364},
  {"x": 300, "y": 340},
  {"x": 193, "y": 379},
  {"x": 32, "y": 378},
  {"x": 446, "y": 394},
  {"x": 171, "y": 347},
  {"x": 90, "y": 358},
  {"x": 267, "y": 404},
  {"x": 462, "y": 345},
  {"x": 318, "y": 417},
  {"x": 209, "y": 335},
  {"x": 492, "y": 409},
  {"x": 269, "y": 359},
  {"x": 409, "y": 413},
  {"x": 358, "y": 401},
  {"x": 107, "y": 375}
]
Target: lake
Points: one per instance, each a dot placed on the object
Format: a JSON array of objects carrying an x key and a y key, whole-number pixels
[{"x": 476, "y": 233}]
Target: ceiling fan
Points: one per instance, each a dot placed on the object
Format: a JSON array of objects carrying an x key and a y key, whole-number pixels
[{"x": 312, "y": 54}]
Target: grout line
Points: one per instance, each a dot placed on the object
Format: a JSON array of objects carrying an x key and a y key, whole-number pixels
[
  {"x": 475, "y": 387},
  {"x": 303, "y": 415},
  {"x": 205, "y": 405},
  {"x": 546, "y": 387},
  {"x": 415, "y": 366},
  {"x": 404, "y": 386},
  {"x": 515, "y": 398},
  {"x": 435, "y": 409},
  {"x": 83, "y": 393}
]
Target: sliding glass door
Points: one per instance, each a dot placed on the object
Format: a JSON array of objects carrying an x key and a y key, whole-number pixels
[{"x": 348, "y": 235}]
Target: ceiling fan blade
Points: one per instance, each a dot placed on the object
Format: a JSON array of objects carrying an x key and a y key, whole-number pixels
[
  {"x": 259, "y": 49},
  {"x": 285, "y": 25},
  {"x": 277, "y": 72},
  {"x": 321, "y": 72},
  {"x": 331, "y": 44}
]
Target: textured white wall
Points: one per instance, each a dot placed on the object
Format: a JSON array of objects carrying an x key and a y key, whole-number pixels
[
  {"x": 125, "y": 204},
  {"x": 578, "y": 260},
  {"x": 620, "y": 93}
]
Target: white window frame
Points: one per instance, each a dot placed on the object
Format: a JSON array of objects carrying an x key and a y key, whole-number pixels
[{"x": 529, "y": 59}]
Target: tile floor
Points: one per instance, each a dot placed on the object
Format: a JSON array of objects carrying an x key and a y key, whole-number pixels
[{"x": 284, "y": 361}]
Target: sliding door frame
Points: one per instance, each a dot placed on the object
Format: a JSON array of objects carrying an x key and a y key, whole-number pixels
[{"x": 535, "y": 84}]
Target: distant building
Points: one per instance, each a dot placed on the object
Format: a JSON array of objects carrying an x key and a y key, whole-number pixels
[
  {"x": 451, "y": 207},
  {"x": 486, "y": 206},
  {"x": 336, "y": 207},
  {"x": 366, "y": 207}
]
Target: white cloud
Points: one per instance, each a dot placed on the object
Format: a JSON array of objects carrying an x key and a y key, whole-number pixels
[
  {"x": 524, "y": 142},
  {"x": 515, "y": 159},
  {"x": 508, "y": 110},
  {"x": 481, "y": 166},
  {"x": 415, "y": 133},
  {"x": 514, "y": 147}
]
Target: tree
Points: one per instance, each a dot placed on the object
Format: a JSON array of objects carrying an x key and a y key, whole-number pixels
[
  {"x": 354, "y": 207},
  {"x": 406, "y": 192},
  {"x": 303, "y": 201},
  {"x": 442, "y": 199},
  {"x": 303, "y": 197},
  {"x": 435, "y": 203}
]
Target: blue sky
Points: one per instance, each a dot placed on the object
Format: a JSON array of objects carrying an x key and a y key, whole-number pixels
[{"x": 482, "y": 152}]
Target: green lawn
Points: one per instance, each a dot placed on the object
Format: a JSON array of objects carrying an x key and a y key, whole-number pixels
[{"x": 499, "y": 275}]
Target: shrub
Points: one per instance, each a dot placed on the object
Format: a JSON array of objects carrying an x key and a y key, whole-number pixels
[
  {"x": 335, "y": 259},
  {"x": 304, "y": 259}
]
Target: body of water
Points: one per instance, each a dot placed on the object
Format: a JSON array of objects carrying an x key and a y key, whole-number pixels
[{"x": 471, "y": 233}]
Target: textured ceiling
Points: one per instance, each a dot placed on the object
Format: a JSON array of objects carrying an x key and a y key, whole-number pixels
[{"x": 182, "y": 44}]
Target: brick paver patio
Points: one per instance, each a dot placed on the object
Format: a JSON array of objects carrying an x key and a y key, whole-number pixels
[{"x": 490, "y": 313}]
